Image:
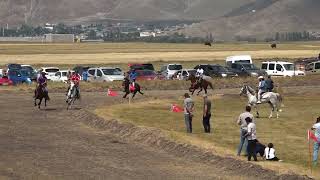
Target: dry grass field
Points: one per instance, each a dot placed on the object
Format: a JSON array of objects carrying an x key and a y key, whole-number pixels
[
  {"x": 119, "y": 53},
  {"x": 288, "y": 133}
]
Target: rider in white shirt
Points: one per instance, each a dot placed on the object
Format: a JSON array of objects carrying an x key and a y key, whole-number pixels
[{"x": 199, "y": 74}]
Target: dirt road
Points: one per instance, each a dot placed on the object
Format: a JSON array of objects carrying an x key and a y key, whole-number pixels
[{"x": 49, "y": 144}]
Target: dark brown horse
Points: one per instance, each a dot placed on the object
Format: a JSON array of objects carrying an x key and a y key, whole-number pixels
[
  {"x": 40, "y": 94},
  {"x": 273, "y": 45},
  {"x": 126, "y": 84},
  {"x": 196, "y": 84}
]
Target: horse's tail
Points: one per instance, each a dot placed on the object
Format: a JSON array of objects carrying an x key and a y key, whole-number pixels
[
  {"x": 210, "y": 84},
  {"x": 280, "y": 99}
]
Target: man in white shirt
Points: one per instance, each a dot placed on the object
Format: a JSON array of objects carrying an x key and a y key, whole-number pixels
[
  {"x": 252, "y": 139},
  {"x": 316, "y": 128},
  {"x": 243, "y": 129}
]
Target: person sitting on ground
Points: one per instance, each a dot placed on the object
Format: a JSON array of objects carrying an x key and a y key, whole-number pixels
[
  {"x": 270, "y": 153},
  {"x": 262, "y": 88},
  {"x": 260, "y": 149}
]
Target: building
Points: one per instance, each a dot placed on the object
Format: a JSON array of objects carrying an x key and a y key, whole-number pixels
[{"x": 59, "y": 38}]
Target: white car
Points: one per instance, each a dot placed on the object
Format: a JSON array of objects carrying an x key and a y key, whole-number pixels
[
  {"x": 169, "y": 70},
  {"x": 50, "y": 71},
  {"x": 61, "y": 76},
  {"x": 238, "y": 59},
  {"x": 281, "y": 68},
  {"x": 105, "y": 74}
]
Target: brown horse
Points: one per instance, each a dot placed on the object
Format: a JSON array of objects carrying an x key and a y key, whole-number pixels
[
  {"x": 127, "y": 90},
  {"x": 196, "y": 84},
  {"x": 40, "y": 94}
]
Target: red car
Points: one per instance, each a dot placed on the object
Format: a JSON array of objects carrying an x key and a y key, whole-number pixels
[
  {"x": 4, "y": 81},
  {"x": 148, "y": 75}
]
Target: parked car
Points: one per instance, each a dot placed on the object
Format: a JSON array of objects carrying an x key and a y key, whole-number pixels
[
  {"x": 281, "y": 68},
  {"x": 61, "y": 76},
  {"x": 18, "y": 76},
  {"x": 147, "y": 66},
  {"x": 32, "y": 73},
  {"x": 105, "y": 74},
  {"x": 14, "y": 66},
  {"x": 313, "y": 68},
  {"x": 238, "y": 59},
  {"x": 302, "y": 63},
  {"x": 5, "y": 81},
  {"x": 50, "y": 71},
  {"x": 215, "y": 70},
  {"x": 168, "y": 70},
  {"x": 183, "y": 74},
  {"x": 148, "y": 75},
  {"x": 246, "y": 69}
]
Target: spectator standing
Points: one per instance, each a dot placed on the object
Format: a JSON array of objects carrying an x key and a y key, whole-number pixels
[
  {"x": 269, "y": 84},
  {"x": 252, "y": 139},
  {"x": 206, "y": 114},
  {"x": 243, "y": 129},
  {"x": 85, "y": 75},
  {"x": 188, "y": 112},
  {"x": 316, "y": 146}
]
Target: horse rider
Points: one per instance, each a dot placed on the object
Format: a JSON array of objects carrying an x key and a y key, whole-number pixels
[
  {"x": 42, "y": 83},
  {"x": 133, "y": 76},
  {"x": 261, "y": 87},
  {"x": 269, "y": 84},
  {"x": 75, "y": 78},
  {"x": 199, "y": 74}
]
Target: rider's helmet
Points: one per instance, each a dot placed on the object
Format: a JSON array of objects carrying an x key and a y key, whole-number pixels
[
  {"x": 43, "y": 74},
  {"x": 260, "y": 77}
]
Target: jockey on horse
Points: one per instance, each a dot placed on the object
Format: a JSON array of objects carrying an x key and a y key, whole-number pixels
[
  {"x": 133, "y": 76},
  {"x": 42, "y": 84},
  {"x": 199, "y": 74},
  {"x": 75, "y": 79}
]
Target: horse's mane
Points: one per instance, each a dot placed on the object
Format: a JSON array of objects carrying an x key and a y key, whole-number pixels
[{"x": 251, "y": 90}]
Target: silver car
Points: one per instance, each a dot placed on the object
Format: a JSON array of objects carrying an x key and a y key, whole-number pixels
[{"x": 105, "y": 74}]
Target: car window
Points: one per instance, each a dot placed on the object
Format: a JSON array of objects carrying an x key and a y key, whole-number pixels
[
  {"x": 279, "y": 67},
  {"x": 163, "y": 68},
  {"x": 175, "y": 67},
  {"x": 271, "y": 66},
  {"x": 99, "y": 73},
  {"x": 92, "y": 71},
  {"x": 234, "y": 66},
  {"x": 264, "y": 66},
  {"x": 64, "y": 74},
  {"x": 58, "y": 74},
  {"x": 288, "y": 67},
  {"x": 317, "y": 66},
  {"x": 111, "y": 72},
  {"x": 53, "y": 70}
]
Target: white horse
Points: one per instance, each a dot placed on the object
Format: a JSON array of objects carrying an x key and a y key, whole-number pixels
[{"x": 274, "y": 99}]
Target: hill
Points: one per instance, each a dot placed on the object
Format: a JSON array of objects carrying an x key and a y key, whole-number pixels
[
  {"x": 262, "y": 19},
  {"x": 16, "y": 12}
]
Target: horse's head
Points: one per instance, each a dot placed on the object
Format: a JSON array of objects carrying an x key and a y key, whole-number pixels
[
  {"x": 243, "y": 90},
  {"x": 192, "y": 78}
]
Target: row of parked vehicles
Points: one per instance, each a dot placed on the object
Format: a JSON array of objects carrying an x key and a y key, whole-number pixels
[{"x": 236, "y": 66}]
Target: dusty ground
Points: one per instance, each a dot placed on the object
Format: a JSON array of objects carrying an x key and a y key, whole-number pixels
[{"x": 50, "y": 144}]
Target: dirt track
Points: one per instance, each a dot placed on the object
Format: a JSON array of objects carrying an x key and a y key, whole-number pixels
[
  {"x": 58, "y": 144},
  {"x": 49, "y": 144}
]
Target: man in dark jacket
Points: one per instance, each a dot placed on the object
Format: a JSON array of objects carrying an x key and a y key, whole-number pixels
[{"x": 269, "y": 84}]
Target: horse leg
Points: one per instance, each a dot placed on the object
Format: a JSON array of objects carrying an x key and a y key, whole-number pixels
[
  {"x": 45, "y": 102},
  {"x": 199, "y": 91},
  {"x": 257, "y": 110},
  {"x": 134, "y": 94},
  {"x": 39, "y": 104},
  {"x": 125, "y": 96},
  {"x": 35, "y": 102},
  {"x": 140, "y": 92},
  {"x": 205, "y": 90},
  {"x": 272, "y": 109}
]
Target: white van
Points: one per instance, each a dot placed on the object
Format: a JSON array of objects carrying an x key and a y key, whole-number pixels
[
  {"x": 105, "y": 74},
  {"x": 168, "y": 70},
  {"x": 281, "y": 68},
  {"x": 50, "y": 71},
  {"x": 238, "y": 59},
  {"x": 313, "y": 68}
]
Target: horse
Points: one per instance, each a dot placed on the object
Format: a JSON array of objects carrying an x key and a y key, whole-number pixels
[
  {"x": 39, "y": 93},
  {"x": 202, "y": 84},
  {"x": 273, "y": 45},
  {"x": 128, "y": 89},
  {"x": 72, "y": 95},
  {"x": 273, "y": 99}
]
